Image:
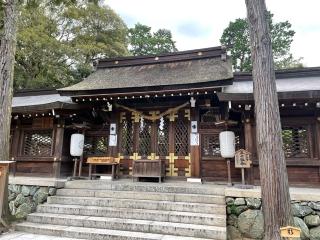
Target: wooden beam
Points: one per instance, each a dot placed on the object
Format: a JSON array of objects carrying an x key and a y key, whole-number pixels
[
  {"x": 313, "y": 95},
  {"x": 195, "y": 150},
  {"x": 58, "y": 147},
  {"x": 249, "y": 147}
]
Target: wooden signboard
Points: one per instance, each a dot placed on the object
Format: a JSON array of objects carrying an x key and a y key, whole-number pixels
[
  {"x": 242, "y": 159},
  {"x": 290, "y": 232},
  {"x": 100, "y": 160}
]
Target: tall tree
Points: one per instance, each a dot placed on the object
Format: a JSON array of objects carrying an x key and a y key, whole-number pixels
[
  {"x": 7, "y": 52},
  {"x": 273, "y": 173},
  {"x": 143, "y": 42},
  {"x": 41, "y": 58},
  {"x": 236, "y": 36},
  {"x": 58, "y": 40},
  {"x": 98, "y": 33}
]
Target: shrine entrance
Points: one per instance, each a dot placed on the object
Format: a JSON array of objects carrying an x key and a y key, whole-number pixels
[
  {"x": 165, "y": 137},
  {"x": 213, "y": 166}
]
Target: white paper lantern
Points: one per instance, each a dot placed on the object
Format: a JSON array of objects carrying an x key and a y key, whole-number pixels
[
  {"x": 227, "y": 144},
  {"x": 76, "y": 145}
]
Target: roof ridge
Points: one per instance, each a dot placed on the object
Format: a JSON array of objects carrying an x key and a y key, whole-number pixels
[{"x": 202, "y": 53}]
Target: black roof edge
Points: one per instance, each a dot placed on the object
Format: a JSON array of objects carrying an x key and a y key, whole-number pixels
[
  {"x": 296, "y": 95},
  {"x": 162, "y": 58},
  {"x": 282, "y": 73},
  {"x": 34, "y": 92},
  {"x": 164, "y": 54}
]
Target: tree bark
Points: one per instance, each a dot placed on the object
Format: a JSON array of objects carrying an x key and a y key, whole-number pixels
[
  {"x": 273, "y": 172},
  {"x": 7, "y": 54}
]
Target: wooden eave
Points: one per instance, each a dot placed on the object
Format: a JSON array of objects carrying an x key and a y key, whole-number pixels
[
  {"x": 282, "y": 74},
  {"x": 313, "y": 95},
  {"x": 46, "y": 107},
  {"x": 152, "y": 90},
  {"x": 34, "y": 92}
]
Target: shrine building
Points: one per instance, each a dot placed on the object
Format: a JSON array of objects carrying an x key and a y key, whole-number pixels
[{"x": 170, "y": 108}]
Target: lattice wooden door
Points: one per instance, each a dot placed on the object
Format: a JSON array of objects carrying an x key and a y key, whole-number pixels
[
  {"x": 166, "y": 138},
  {"x": 178, "y": 161}
]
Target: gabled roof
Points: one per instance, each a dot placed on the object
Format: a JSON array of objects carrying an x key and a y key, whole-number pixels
[{"x": 173, "y": 70}]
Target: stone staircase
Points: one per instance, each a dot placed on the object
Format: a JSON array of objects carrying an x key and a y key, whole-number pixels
[{"x": 124, "y": 210}]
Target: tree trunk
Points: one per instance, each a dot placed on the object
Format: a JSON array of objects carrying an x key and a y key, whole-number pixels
[
  {"x": 7, "y": 54},
  {"x": 273, "y": 172}
]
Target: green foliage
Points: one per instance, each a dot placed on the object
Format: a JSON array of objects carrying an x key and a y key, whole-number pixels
[
  {"x": 236, "y": 36},
  {"x": 58, "y": 40},
  {"x": 143, "y": 42},
  {"x": 233, "y": 209}
]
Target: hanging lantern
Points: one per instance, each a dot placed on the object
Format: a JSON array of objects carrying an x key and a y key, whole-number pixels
[
  {"x": 76, "y": 145},
  {"x": 227, "y": 144}
]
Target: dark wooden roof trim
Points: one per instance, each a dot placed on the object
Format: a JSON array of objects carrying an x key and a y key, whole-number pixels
[
  {"x": 34, "y": 92},
  {"x": 45, "y": 107},
  {"x": 162, "y": 58},
  {"x": 282, "y": 74},
  {"x": 149, "y": 90},
  {"x": 248, "y": 97}
]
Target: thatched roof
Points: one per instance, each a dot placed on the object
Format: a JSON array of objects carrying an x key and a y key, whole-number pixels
[{"x": 172, "y": 70}]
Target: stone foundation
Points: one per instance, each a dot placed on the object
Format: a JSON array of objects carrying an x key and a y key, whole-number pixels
[
  {"x": 24, "y": 199},
  {"x": 245, "y": 218}
]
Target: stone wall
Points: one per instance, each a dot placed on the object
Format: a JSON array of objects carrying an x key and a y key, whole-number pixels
[
  {"x": 25, "y": 199},
  {"x": 245, "y": 219}
]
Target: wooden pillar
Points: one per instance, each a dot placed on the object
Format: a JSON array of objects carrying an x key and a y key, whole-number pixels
[
  {"x": 249, "y": 147},
  {"x": 115, "y": 118},
  {"x": 195, "y": 150},
  {"x": 15, "y": 145},
  {"x": 136, "y": 127},
  {"x": 317, "y": 136},
  {"x": 171, "y": 135},
  {"x": 58, "y": 147}
]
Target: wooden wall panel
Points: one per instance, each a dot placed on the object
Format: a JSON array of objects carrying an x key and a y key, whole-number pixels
[
  {"x": 43, "y": 122},
  {"x": 66, "y": 169},
  {"x": 216, "y": 170},
  {"x": 34, "y": 169},
  {"x": 297, "y": 175},
  {"x": 126, "y": 166},
  {"x": 303, "y": 174}
]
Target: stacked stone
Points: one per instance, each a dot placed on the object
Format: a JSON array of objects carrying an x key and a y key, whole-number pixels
[
  {"x": 24, "y": 199},
  {"x": 245, "y": 218}
]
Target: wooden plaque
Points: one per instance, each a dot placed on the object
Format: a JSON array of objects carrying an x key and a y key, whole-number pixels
[
  {"x": 290, "y": 232},
  {"x": 100, "y": 160},
  {"x": 242, "y": 159}
]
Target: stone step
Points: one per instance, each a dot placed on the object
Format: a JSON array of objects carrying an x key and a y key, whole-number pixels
[
  {"x": 96, "y": 233},
  {"x": 152, "y": 215},
  {"x": 173, "y": 197},
  {"x": 16, "y": 235},
  {"x": 139, "y": 204},
  {"x": 177, "y": 229},
  {"x": 188, "y": 188}
]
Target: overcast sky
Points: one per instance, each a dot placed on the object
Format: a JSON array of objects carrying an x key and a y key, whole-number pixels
[{"x": 200, "y": 23}]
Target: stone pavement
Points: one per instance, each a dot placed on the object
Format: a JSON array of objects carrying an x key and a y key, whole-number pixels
[{"x": 29, "y": 236}]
